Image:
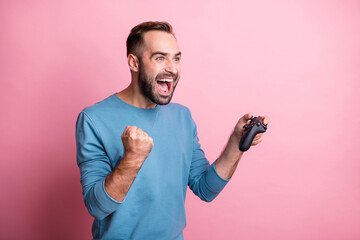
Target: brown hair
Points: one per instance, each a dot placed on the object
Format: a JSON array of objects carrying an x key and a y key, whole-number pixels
[{"x": 135, "y": 38}]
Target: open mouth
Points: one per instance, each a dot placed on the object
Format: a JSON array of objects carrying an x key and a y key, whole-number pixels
[{"x": 164, "y": 85}]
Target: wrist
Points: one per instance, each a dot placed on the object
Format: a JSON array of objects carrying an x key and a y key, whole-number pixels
[
  {"x": 231, "y": 150},
  {"x": 129, "y": 163},
  {"x": 235, "y": 137},
  {"x": 134, "y": 158}
]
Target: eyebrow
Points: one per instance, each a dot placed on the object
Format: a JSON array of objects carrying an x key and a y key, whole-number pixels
[{"x": 164, "y": 54}]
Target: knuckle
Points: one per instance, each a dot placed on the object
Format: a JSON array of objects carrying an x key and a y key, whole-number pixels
[{"x": 130, "y": 129}]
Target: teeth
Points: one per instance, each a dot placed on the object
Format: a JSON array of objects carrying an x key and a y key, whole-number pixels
[{"x": 166, "y": 80}]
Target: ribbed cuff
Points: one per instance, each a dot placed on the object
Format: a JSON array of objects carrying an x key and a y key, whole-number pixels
[
  {"x": 214, "y": 181},
  {"x": 104, "y": 199}
]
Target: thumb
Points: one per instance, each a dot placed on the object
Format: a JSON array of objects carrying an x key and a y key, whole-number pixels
[
  {"x": 239, "y": 128},
  {"x": 244, "y": 119}
]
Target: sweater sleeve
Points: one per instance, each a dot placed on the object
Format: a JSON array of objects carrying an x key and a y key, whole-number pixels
[
  {"x": 94, "y": 167},
  {"x": 203, "y": 178}
]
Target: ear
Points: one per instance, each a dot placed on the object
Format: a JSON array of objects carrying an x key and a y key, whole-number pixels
[{"x": 133, "y": 62}]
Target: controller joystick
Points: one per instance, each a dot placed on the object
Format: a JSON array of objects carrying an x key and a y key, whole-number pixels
[{"x": 250, "y": 130}]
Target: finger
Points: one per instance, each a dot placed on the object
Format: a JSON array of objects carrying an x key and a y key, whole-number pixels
[
  {"x": 266, "y": 120},
  {"x": 143, "y": 133},
  {"x": 132, "y": 132},
  {"x": 151, "y": 140},
  {"x": 244, "y": 119},
  {"x": 126, "y": 131},
  {"x": 248, "y": 116},
  {"x": 139, "y": 131},
  {"x": 259, "y": 136},
  {"x": 147, "y": 137},
  {"x": 257, "y": 139},
  {"x": 256, "y": 142}
]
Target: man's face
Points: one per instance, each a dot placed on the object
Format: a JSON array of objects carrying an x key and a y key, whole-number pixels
[{"x": 159, "y": 67}]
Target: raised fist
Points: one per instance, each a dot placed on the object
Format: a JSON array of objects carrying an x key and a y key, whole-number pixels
[{"x": 137, "y": 144}]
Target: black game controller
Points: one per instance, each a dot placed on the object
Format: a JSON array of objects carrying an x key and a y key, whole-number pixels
[{"x": 256, "y": 126}]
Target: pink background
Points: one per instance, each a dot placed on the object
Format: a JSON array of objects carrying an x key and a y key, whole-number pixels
[{"x": 297, "y": 62}]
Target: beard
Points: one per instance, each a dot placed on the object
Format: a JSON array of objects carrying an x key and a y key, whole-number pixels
[{"x": 148, "y": 86}]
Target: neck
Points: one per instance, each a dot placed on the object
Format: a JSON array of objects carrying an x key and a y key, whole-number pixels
[{"x": 133, "y": 96}]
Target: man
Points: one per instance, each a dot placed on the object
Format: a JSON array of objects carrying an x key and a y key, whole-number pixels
[{"x": 137, "y": 152}]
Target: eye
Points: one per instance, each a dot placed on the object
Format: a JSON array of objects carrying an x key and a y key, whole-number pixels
[
  {"x": 177, "y": 59},
  {"x": 160, "y": 58}
]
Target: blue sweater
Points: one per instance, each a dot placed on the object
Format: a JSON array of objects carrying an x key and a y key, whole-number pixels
[{"x": 154, "y": 206}]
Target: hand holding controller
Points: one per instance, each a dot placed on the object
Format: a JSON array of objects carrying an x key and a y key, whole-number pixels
[{"x": 256, "y": 126}]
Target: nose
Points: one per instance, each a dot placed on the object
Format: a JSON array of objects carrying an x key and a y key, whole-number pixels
[{"x": 170, "y": 67}]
